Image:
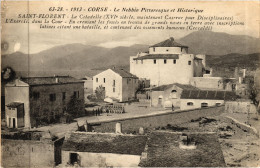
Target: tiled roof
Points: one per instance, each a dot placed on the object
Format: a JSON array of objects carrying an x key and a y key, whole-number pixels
[
  {"x": 186, "y": 87},
  {"x": 105, "y": 143},
  {"x": 123, "y": 73},
  {"x": 165, "y": 87},
  {"x": 158, "y": 56},
  {"x": 197, "y": 58},
  {"x": 14, "y": 104},
  {"x": 164, "y": 151},
  {"x": 162, "y": 87},
  {"x": 208, "y": 94},
  {"x": 169, "y": 43},
  {"x": 50, "y": 80}
]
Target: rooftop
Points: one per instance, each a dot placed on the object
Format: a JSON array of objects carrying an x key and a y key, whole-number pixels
[
  {"x": 105, "y": 143},
  {"x": 164, "y": 151},
  {"x": 123, "y": 73},
  {"x": 169, "y": 43},
  {"x": 165, "y": 87},
  {"x": 158, "y": 56},
  {"x": 14, "y": 104},
  {"x": 50, "y": 80},
  {"x": 208, "y": 94}
]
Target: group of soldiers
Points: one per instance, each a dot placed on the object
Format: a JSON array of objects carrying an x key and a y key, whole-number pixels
[{"x": 109, "y": 109}]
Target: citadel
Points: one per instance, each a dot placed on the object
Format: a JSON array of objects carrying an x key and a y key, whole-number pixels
[{"x": 167, "y": 62}]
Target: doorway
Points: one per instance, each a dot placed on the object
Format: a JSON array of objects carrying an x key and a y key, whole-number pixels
[
  {"x": 73, "y": 158},
  {"x": 14, "y": 123},
  {"x": 160, "y": 101}
]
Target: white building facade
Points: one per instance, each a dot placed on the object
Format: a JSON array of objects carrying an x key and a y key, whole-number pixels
[
  {"x": 167, "y": 62},
  {"x": 118, "y": 84}
]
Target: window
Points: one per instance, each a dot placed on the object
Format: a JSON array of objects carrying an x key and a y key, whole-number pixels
[
  {"x": 189, "y": 62},
  {"x": 76, "y": 94},
  {"x": 153, "y": 49},
  {"x": 36, "y": 95},
  {"x": 142, "y": 62},
  {"x": 52, "y": 97},
  {"x": 174, "y": 61},
  {"x": 174, "y": 91},
  {"x": 190, "y": 104},
  {"x": 63, "y": 95},
  {"x": 114, "y": 90},
  {"x": 114, "y": 82},
  {"x": 167, "y": 50},
  {"x": 204, "y": 105},
  {"x": 154, "y": 61},
  {"x": 96, "y": 79},
  {"x": 104, "y": 80},
  {"x": 165, "y": 61},
  {"x": 218, "y": 104}
]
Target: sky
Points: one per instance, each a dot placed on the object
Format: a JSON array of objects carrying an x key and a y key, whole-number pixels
[{"x": 28, "y": 38}]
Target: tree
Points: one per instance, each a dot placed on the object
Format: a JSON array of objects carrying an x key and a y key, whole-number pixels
[
  {"x": 100, "y": 92},
  {"x": 7, "y": 74},
  {"x": 75, "y": 106},
  {"x": 253, "y": 93}
]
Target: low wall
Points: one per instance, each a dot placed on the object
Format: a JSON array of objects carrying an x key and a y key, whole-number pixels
[
  {"x": 131, "y": 125},
  {"x": 243, "y": 126},
  {"x": 240, "y": 107}
]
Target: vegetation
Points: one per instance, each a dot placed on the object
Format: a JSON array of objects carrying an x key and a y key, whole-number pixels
[{"x": 74, "y": 107}]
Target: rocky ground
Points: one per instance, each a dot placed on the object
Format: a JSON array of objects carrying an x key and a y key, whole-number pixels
[{"x": 240, "y": 148}]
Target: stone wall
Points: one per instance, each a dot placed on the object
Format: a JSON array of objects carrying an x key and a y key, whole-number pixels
[
  {"x": 43, "y": 109},
  {"x": 133, "y": 124},
  {"x": 239, "y": 107},
  {"x": 88, "y": 159},
  {"x": 31, "y": 153},
  {"x": 27, "y": 153}
]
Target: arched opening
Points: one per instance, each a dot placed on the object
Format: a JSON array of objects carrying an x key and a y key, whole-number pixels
[
  {"x": 218, "y": 104},
  {"x": 190, "y": 104},
  {"x": 174, "y": 94}
]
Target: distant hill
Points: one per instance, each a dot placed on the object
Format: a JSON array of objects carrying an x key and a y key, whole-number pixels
[
  {"x": 77, "y": 59},
  {"x": 214, "y": 43},
  {"x": 72, "y": 57},
  {"x": 234, "y": 60}
]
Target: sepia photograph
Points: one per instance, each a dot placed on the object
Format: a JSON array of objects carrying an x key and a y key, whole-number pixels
[{"x": 130, "y": 83}]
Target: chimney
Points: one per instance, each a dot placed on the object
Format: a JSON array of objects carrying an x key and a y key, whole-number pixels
[
  {"x": 56, "y": 79},
  {"x": 244, "y": 73},
  {"x": 171, "y": 38},
  {"x": 240, "y": 80},
  {"x": 118, "y": 128}
]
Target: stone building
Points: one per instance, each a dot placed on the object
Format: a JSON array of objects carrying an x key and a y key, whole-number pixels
[
  {"x": 188, "y": 97},
  {"x": 214, "y": 83},
  {"x": 191, "y": 99},
  {"x": 168, "y": 95},
  {"x": 30, "y": 149},
  {"x": 87, "y": 149},
  {"x": 35, "y": 100},
  {"x": 167, "y": 62},
  {"x": 117, "y": 83}
]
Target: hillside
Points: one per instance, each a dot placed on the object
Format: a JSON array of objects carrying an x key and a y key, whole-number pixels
[
  {"x": 77, "y": 59},
  {"x": 234, "y": 60},
  {"x": 214, "y": 43}
]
